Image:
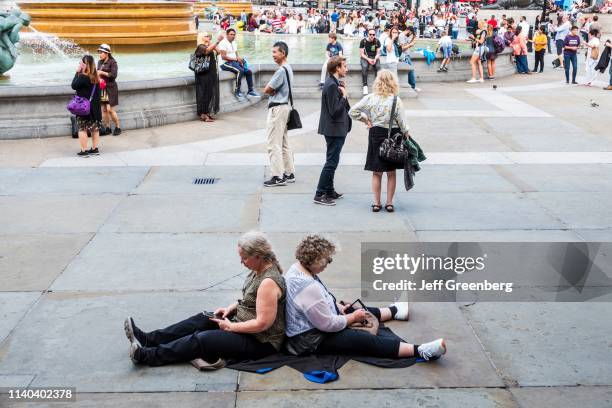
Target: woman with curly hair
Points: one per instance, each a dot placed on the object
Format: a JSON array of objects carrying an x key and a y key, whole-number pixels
[
  {"x": 249, "y": 329},
  {"x": 316, "y": 323}
]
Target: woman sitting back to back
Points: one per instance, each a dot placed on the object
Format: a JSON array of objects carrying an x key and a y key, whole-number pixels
[{"x": 317, "y": 324}]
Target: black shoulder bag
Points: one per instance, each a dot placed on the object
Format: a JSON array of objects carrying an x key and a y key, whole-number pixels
[
  {"x": 393, "y": 148},
  {"x": 294, "y": 121}
]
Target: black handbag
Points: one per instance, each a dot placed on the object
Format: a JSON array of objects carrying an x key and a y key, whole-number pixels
[
  {"x": 199, "y": 65},
  {"x": 294, "y": 121},
  {"x": 393, "y": 149}
]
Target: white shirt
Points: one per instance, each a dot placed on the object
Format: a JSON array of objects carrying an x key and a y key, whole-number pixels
[
  {"x": 229, "y": 47},
  {"x": 593, "y": 42},
  {"x": 445, "y": 42},
  {"x": 292, "y": 26},
  {"x": 524, "y": 28}
]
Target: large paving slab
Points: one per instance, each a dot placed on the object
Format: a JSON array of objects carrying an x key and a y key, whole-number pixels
[
  {"x": 578, "y": 210},
  {"x": 583, "y": 397},
  {"x": 32, "y": 262},
  {"x": 353, "y": 213},
  {"x": 499, "y": 236},
  {"x": 153, "y": 400},
  {"x": 562, "y": 178},
  {"x": 66, "y": 181},
  {"x": 55, "y": 214},
  {"x": 476, "y": 211},
  {"x": 565, "y": 141},
  {"x": 435, "y": 178},
  {"x": 473, "y": 398},
  {"x": 464, "y": 365},
  {"x": 185, "y": 213},
  {"x": 179, "y": 180},
  {"x": 146, "y": 261},
  {"x": 546, "y": 344},
  {"x": 77, "y": 339},
  {"x": 13, "y": 306}
]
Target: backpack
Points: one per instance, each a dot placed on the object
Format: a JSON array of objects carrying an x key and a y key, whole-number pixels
[
  {"x": 508, "y": 37},
  {"x": 499, "y": 44}
]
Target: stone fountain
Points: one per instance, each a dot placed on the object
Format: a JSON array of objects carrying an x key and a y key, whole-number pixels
[
  {"x": 114, "y": 23},
  {"x": 11, "y": 23}
]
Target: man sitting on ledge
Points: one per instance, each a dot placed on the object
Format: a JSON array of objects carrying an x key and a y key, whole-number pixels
[{"x": 234, "y": 63}]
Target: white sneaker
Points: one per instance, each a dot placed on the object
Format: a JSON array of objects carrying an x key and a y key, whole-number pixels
[
  {"x": 432, "y": 350},
  {"x": 417, "y": 89},
  {"x": 481, "y": 80},
  {"x": 133, "y": 347},
  {"x": 365, "y": 89},
  {"x": 472, "y": 81},
  {"x": 402, "y": 310}
]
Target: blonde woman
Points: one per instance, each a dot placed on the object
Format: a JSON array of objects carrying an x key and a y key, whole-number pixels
[
  {"x": 249, "y": 329},
  {"x": 375, "y": 111},
  {"x": 317, "y": 323},
  {"x": 478, "y": 43}
]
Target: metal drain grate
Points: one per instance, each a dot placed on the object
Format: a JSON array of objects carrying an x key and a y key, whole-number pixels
[{"x": 207, "y": 180}]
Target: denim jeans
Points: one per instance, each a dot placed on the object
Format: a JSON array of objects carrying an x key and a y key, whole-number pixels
[
  {"x": 573, "y": 58},
  {"x": 365, "y": 68},
  {"x": 521, "y": 64},
  {"x": 411, "y": 77},
  {"x": 326, "y": 180}
]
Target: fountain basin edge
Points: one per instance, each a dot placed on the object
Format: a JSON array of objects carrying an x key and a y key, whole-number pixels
[{"x": 40, "y": 111}]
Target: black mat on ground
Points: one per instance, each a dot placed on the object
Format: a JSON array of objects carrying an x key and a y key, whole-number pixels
[{"x": 320, "y": 368}]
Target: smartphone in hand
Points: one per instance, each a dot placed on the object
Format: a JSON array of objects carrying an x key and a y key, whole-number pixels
[{"x": 210, "y": 315}]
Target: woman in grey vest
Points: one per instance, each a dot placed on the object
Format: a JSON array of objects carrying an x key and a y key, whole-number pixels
[
  {"x": 251, "y": 328},
  {"x": 316, "y": 323}
]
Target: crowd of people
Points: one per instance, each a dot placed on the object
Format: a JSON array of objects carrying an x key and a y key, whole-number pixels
[
  {"x": 294, "y": 313},
  {"x": 386, "y": 40}
]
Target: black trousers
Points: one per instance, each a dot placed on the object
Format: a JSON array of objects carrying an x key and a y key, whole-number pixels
[
  {"x": 539, "y": 60},
  {"x": 199, "y": 337},
  {"x": 326, "y": 180},
  {"x": 358, "y": 343}
]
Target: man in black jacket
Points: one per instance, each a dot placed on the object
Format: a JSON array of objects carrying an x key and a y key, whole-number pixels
[{"x": 334, "y": 124}]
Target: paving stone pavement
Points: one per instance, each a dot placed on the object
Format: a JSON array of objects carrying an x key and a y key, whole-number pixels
[{"x": 84, "y": 243}]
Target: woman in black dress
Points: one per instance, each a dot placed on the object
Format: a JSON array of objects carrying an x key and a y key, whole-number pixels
[
  {"x": 86, "y": 85},
  {"x": 207, "y": 82},
  {"x": 375, "y": 111}
]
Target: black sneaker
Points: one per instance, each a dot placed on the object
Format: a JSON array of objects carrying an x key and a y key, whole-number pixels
[
  {"x": 103, "y": 132},
  {"x": 324, "y": 200},
  {"x": 108, "y": 131},
  {"x": 335, "y": 195},
  {"x": 94, "y": 152},
  {"x": 289, "y": 178},
  {"x": 275, "y": 181},
  {"x": 83, "y": 153},
  {"x": 117, "y": 131}
]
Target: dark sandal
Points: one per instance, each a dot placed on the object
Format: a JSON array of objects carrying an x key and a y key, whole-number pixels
[
  {"x": 389, "y": 208},
  {"x": 376, "y": 208}
]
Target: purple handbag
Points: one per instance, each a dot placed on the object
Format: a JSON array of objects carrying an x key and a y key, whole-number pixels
[{"x": 80, "y": 106}]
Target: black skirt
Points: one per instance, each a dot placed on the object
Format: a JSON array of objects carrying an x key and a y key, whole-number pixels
[{"x": 373, "y": 161}]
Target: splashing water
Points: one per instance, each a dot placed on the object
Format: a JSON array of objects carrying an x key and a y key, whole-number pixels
[{"x": 43, "y": 44}]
